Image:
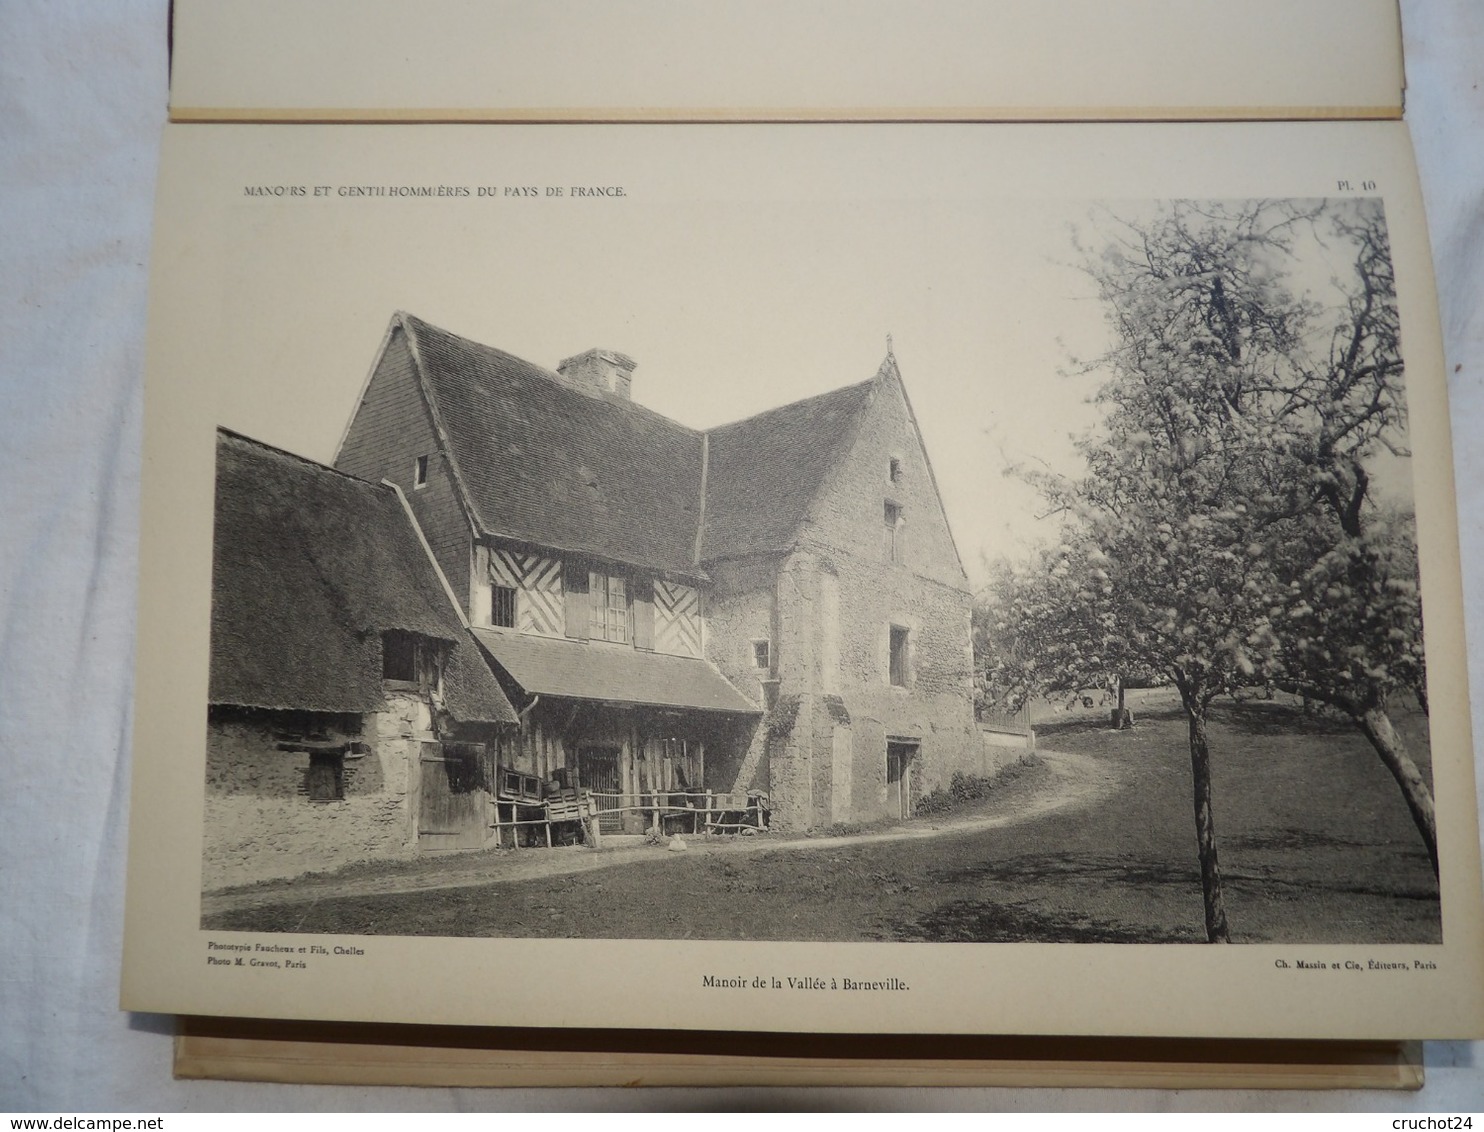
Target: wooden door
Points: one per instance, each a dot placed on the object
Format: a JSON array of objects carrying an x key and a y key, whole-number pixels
[
  {"x": 451, "y": 798},
  {"x": 899, "y": 758},
  {"x": 598, "y": 770}
]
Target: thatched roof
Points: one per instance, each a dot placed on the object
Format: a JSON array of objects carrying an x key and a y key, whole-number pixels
[{"x": 310, "y": 568}]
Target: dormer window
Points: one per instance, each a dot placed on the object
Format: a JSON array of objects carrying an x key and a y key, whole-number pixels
[
  {"x": 399, "y": 657},
  {"x": 411, "y": 660},
  {"x": 420, "y": 472}
]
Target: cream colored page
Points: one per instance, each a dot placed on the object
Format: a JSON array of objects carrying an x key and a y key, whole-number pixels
[
  {"x": 880, "y": 59},
  {"x": 746, "y": 267}
]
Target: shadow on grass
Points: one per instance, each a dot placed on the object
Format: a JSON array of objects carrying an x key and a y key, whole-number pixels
[
  {"x": 968, "y": 921},
  {"x": 1257, "y": 718},
  {"x": 1150, "y": 885},
  {"x": 1047, "y": 732},
  {"x": 1254, "y": 718},
  {"x": 1152, "y": 876},
  {"x": 1031, "y": 920},
  {"x": 1099, "y": 869},
  {"x": 1295, "y": 840},
  {"x": 1281, "y": 888}
]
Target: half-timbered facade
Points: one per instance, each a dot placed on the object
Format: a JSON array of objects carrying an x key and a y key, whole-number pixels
[{"x": 771, "y": 609}]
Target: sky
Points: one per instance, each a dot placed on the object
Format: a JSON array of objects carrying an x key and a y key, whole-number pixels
[{"x": 735, "y": 287}]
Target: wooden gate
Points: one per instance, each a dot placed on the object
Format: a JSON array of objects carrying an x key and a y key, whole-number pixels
[
  {"x": 451, "y": 805},
  {"x": 598, "y": 770}
]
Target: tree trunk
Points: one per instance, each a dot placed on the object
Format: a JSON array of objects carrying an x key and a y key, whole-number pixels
[
  {"x": 1393, "y": 751},
  {"x": 1121, "y": 718},
  {"x": 1205, "y": 827}
]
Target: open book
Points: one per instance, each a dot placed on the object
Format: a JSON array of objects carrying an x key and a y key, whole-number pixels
[{"x": 864, "y": 577}]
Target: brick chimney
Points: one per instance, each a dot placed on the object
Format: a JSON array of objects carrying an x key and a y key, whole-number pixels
[{"x": 599, "y": 371}]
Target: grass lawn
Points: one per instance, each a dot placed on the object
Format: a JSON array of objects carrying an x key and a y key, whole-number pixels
[{"x": 1316, "y": 846}]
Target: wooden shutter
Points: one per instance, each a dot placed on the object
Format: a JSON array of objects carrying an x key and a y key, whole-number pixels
[
  {"x": 643, "y": 593},
  {"x": 597, "y": 606},
  {"x": 575, "y": 590}
]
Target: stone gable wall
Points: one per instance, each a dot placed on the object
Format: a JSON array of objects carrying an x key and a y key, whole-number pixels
[
  {"x": 391, "y": 428},
  {"x": 849, "y": 516},
  {"x": 841, "y": 573}
]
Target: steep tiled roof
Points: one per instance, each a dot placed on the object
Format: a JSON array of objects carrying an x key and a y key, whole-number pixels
[
  {"x": 587, "y": 671},
  {"x": 310, "y": 567},
  {"x": 545, "y": 463},
  {"x": 763, "y": 472}
]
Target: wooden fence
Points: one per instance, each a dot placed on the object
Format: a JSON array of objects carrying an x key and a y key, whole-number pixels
[{"x": 599, "y": 812}]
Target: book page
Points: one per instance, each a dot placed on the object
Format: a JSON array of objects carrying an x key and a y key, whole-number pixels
[
  {"x": 880, "y": 345},
  {"x": 646, "y": 60}
]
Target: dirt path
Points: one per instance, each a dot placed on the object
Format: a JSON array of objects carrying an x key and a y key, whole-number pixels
[
  {"x": 1091, "y": 845},
  {"x": 1070, "y": 782}
]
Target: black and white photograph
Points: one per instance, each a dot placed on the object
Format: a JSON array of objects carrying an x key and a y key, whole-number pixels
[
  {"x": 809, "y": 558},
  {"x": 530, "y": 656}
]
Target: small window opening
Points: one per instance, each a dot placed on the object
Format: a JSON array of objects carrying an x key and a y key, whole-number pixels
[
  {"x": 892, "y": 515},
  {"x": 410, "y": 659},
  {"x": 894, "y": 469},
  {"x": 398, "y": 656},
  {"x": 762, "y": 654},
  {"x": 898, "y": 661},
  {"x": 420, "y": 472},
  {"x": 325, "y": 780},
  {"x": 502, "y": 608}
]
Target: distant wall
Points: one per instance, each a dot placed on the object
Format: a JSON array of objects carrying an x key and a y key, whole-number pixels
[{"x": 1003, "y": 749}]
